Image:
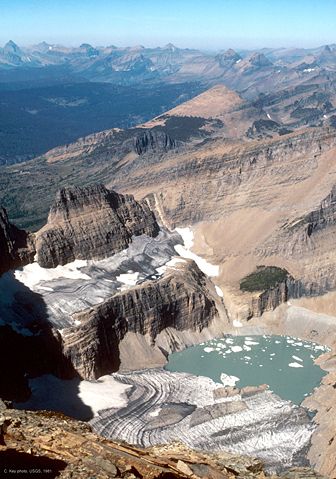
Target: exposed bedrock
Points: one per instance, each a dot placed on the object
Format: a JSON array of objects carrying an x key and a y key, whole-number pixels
[
  {"x": 183, "y": 299},
  {"x": 154, "y": 141},
  {"x": 91, "y": 223},
  {"x": 308, "y": 240},
  {"x": 272, "y": 298},
  {"x": 16, "y": 246},
  {"x": 225, "y": 175},
  {"x": 269, "y": 286}
]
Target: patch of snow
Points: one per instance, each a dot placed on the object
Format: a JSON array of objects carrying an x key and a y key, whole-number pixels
[
  {"x": 219, "y": 291},
  {"x": 237, "y": 324},
  {"x": 129, "y": 279},
  {"x": 228, "y": 380},
  {"x": 269, "y": 116},
  {"x": 238, "y": 61},
  {"x": 31, "y": 274},
  {"x": 184, "y": 251},
  {"x": 155, "y": 412},
  {"x": 308, "y": 70}
]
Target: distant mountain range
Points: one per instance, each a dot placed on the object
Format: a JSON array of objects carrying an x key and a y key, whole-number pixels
[
  {"x": 51, "y": 95},
  {"x": 127, "y": 64}
]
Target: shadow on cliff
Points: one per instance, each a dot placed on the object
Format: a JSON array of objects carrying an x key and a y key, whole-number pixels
[{"x": 29, "y": 345}]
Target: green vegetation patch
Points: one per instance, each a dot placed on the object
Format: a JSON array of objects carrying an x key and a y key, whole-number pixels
[{"x": 263, "y": 278}]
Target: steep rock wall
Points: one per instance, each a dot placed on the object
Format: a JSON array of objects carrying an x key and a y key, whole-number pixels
[
  {"x": 16, "y": 246},
  {"x": 181, "y": 299},
  {"x": 91, "y": 223}
]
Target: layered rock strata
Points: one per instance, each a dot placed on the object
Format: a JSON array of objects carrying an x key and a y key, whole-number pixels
[
  {"x": 91, "y": 222},
  {"x": 16, "y": 246},
  {"x": 182, "y": 299}
]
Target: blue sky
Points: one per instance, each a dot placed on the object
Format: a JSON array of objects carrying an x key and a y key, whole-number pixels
[{"x": 207, "y": 24}]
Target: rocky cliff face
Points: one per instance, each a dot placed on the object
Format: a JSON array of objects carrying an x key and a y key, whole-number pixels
[
  {"x": 154, "y": 141},
  {"x": 272, "y": 298},
  {"x": 91, "y": 222},
  {"x": 180, "y": 299},
  {"x": 16, "y": 246}
]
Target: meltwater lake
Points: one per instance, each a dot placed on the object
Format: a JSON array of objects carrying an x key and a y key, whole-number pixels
[{"x": 286, "y": 364}]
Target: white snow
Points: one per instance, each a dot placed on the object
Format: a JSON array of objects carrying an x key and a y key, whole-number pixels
[
  {"x": 295, "y": 365},
  {"x": 155, "y": 412},
  {"x": 219, "y": 291},
  {"x": 31, "y": 274},
  {"x": 237, "y": 324},
  {"x": 130, "y": 279},
  {"x": 228, "y": 380},
  {"x": 308, "y": 70},
  {"x": 269, "y": 116},
  {"x": 170, "y": 264},
  {"x": 103, "y": 393},
  {"x": 238, "y": 61},
  {"x": 184, "y": 251}
]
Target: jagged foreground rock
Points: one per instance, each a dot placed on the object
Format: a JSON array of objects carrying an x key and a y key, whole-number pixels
[
  {"x": 62, "y": 447},
  {"x": 91, "y": 222},
  {"x": 165, "y": 407}
]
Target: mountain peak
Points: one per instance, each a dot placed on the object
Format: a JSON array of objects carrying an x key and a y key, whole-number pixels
[
  {"x": 259, "y": 60},
  {"x": 11, "y": 47},
  {"x": 228, "y": 58},
  {"x": 212, "y": 103},
  {"x": 171, "y": 47}
]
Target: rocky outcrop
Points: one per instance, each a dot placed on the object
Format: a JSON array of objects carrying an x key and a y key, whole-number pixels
[
  {"x": 180, "y": 299},
  {"x": 68, "y": 448},
  {"x": 16, "y": 246},
  {"x": 155, "y": 140},
  {"x": 272, "y": 298},
  {"x": 91, "y": 223},
  {"x": 270, "y": 286},
  {"x": 266, "y": 129}
]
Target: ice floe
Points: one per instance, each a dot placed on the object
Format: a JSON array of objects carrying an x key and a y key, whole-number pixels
[
  {"x": 236, "y": 349},
  {"x": 208, "y": 349},
  {"x": 295, "y": 365},
  {"x": 297, "y": 358}
]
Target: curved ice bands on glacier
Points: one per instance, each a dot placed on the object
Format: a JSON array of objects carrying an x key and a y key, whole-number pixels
[{"x": 163, "y": 407}]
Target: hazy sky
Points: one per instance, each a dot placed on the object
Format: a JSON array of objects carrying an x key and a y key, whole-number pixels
[{"x": 207, "y": 24}]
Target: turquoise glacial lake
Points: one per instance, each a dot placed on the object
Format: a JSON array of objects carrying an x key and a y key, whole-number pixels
[{"x": 286, "y": 364}]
